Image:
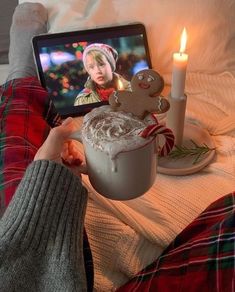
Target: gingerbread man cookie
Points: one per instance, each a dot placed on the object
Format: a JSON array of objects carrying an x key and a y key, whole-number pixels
[{"x": 144, "y": 98}]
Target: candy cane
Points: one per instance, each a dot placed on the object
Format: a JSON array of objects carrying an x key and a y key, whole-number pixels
[{"x": 157, "y": 129}]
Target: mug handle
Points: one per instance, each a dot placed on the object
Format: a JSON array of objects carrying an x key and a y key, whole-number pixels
[
  {"x": 158, "y": 129},
  {"x": 76, "y": 136}
]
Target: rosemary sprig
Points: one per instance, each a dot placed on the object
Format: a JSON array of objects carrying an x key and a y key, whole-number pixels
[{"x": 196, "y": 150}]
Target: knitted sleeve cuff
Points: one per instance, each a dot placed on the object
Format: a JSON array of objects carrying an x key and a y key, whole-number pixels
[{"x": 47, "y": 209}]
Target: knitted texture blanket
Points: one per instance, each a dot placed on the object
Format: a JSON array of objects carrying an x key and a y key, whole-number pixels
[{"x": 126, "y": 236}]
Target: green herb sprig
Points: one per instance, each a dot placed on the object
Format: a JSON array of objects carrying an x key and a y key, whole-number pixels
[{"x": 197, "y": 150}]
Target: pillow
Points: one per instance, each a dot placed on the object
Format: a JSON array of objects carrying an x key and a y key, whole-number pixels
[
  {"x": 6, "y": 7},
  {"x": 210, "y": 26}
]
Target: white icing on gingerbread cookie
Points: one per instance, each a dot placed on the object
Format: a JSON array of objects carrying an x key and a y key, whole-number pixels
[{"x": 144, "y": 98}]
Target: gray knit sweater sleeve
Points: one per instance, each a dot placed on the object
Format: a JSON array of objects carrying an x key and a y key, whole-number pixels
[{"x": 41, "y": 232}]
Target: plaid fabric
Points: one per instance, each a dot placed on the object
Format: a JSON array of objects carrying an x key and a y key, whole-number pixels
[
  {"x": 201, "y": 258},
  {"x": 24, "y": 112},
  {"x": 26, "y": 115}
]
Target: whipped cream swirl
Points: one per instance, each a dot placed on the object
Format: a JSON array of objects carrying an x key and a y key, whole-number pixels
[{"x": 114, "y": 132}]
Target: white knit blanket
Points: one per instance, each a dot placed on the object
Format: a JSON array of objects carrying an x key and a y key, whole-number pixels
[{"x": 126, "y": 236}]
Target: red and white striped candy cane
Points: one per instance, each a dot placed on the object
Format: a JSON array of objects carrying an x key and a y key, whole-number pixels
[{"x": 157, "y": 129}]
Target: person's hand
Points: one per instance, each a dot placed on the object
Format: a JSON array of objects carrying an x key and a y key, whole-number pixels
[{"x": 59, "y": 148}]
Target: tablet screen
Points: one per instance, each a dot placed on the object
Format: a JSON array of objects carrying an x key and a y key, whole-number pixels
[{"x": 80, "y": 69}]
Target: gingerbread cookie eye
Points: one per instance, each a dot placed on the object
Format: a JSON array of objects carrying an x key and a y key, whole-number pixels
[
  {"x": 140, "y": 76},
  {"x": 150, "y": 78}
]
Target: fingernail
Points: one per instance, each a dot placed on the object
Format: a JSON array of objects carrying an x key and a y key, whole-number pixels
[{"x": 67, "y": 121}]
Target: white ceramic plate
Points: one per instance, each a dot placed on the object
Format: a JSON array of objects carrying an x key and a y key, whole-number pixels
[{"x": 184, "y": 166}]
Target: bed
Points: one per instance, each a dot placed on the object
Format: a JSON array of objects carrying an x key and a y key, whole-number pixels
[{"x": 126, "y": 236}]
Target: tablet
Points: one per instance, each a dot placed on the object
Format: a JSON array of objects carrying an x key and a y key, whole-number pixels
[{"x": 65, "y": 69}]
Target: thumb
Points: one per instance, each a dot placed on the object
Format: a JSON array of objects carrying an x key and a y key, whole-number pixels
[
  {"x": 62, "y": 132},
  {"x": 68, "y": 126},
  {"x": 53, "y": 145}
]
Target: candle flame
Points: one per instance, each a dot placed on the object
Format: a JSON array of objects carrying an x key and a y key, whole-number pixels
[
  {"x": 183, "y": 41},
  {"x": 120, "y": 85}
]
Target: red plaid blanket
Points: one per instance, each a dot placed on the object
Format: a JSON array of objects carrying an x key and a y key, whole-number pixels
[
  {"x": 201, "y": 258},
  {"x": 25, "y": 110},
  {"x": 26, "y": 115}
]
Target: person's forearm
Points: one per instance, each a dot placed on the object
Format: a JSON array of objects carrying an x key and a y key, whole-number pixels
[{"x": 41, "y": 232}]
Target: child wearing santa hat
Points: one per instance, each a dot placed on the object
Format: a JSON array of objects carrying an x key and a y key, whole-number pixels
[{"x": 100, "y": 63}]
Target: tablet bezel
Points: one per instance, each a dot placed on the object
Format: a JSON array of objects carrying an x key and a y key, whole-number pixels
[{"x": 88, "y": 35}]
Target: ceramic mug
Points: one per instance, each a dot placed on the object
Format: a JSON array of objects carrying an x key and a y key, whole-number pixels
[
  {"x": 121, "y": 151},
  {"x": 131, "y": 173}
]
